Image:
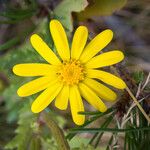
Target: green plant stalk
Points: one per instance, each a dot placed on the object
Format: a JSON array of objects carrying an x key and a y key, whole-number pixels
[
  {"x": 93, "y": 138},
  {"x": 71, "y": 135},
  {"x": 105, "y": 124},
  {"x": 56, "y": 132},
  {"x": 102, "y": 126},
  {"x": 93, "y": 130},
  {"x": 110, "y": 141}
]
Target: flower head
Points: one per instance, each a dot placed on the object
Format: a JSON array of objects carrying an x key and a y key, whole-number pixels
[{"x": 71, "y": 76}]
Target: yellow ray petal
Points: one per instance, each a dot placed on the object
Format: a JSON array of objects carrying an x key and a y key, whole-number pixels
[
  {"x": 96, "y": 45},
  {"x": 76, "y": 105},
  {"x": 34, "y": 69},
  {"x": 107, "y": 78},
  {"x": 101, "y": 90},
  {"x": 60, "y": 39},
  {"x": 46, "y": 97},
  {"x": 35, "y": 86},
  {"x": 79, "y": 41},
  {"x": 43, "y": 49},
  {"x": 92, "y": 98},
  {"x": 61, "y": 101},
  {"x": 105, "y": 59}
]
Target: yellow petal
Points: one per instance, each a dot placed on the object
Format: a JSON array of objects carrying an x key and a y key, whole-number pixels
[
  {"x": 60, "y": 39},
  {"x": 61, "y": 101},
  {"x": 96, "y": 45},
  {"x": 43, "y": 49},
  {"x": 101, "y": 90},
  {"x": 79, "y": 41},
  {"x": 35, "y": 86},
  {"x": 105, "y": 59},
  {"x": 34, "y": 69},
  {"x": 76, "y": 105},
  {"x": 46, "y": 97},
  {"x": 107, "y": 78},
  {"x": 92, "y": 98}
]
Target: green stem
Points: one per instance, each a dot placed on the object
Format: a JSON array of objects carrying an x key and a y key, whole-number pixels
[
  {"x": 107, "y": 130},
  {"x": 92, "y": 119}
]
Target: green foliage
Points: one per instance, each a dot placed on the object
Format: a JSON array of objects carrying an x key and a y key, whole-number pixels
[
  {"x": 136, "y": 134},
  {"x": 14, "y": 15},
  {"x": 32, "y": 132},
  {"x": 63, "y": 11},
  {"x": 24, "y": 131},
  {"x": 138, "y": 76},
  {"x": 56, "y": 132},
  {"x": 101, "y": 8},
  {"x": 81, "y": 143},
  {"x": 22, "y": 54},
  {"x": 36, "y": 132},
  {"x": 12, "y": 105}
]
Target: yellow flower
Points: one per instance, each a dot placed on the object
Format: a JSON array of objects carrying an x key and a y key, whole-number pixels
[{"x": 74, "y": 74}]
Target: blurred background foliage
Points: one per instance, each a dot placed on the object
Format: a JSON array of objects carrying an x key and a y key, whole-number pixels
[{"x": 123, "y": 126}]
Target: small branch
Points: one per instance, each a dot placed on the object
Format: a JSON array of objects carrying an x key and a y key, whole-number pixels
[
  {"x": 137, "y": 103},
  {"x": 133, "y": 97},
  {"x": 146, "y": 82}
]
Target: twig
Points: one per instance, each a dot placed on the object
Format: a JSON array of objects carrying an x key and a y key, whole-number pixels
[
  {"x": 133, "y": 97},
  {"x": 137, "y": 103},
  {"x": 139, "y": 90},
  {"x": 126, "y": 118},
  {"x": 146, "y": 82}
]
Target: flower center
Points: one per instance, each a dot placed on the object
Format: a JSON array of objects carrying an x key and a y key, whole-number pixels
[{"x": 71, "y": 72}]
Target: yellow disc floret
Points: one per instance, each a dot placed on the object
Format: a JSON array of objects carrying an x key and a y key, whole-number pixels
[{"x": 71, "y": 72}]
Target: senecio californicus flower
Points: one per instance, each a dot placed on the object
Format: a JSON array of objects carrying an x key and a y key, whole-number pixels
[{"x": 71, "y": 76}]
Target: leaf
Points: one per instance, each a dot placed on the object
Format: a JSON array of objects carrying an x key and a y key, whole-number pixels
[
  {"x": 32, "y": 133},
  {"x": 138, "y": 76},
  {"x": 11, "y": 102},
  {"x": 101, "y": 8},
  {"x": 22, "y": 54},
  {"x": 24, "y": 130},
  {"x": 14, "y": 15},
  {"x": 56, "y": 131},
  {"x": 63, "y": 11},
  {"x": 9, "y": 43}
]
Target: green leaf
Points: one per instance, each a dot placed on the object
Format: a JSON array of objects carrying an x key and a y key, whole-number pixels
[
  {"x": 24, "y": 53},
  {"x": 13, "y": 15},
  {"x": 101, "y": 8},
  {"x": 24, "y": 130},
  {"x": 17, "y": 14},
  {"x": 63, "y": 11},
  {"x": 56, "y": 131},
  {"x": 138, "y": 76},
  {"x": 11, "y": 102},
  {"x": 9, "y": 43}
]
